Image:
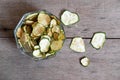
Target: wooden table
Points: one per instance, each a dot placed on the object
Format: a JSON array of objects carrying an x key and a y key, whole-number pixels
[{"x": 95, "y": 15}]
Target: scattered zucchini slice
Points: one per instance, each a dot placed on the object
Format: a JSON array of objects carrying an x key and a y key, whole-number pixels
[
  {"x": 98, "y": 40},
  {"x": 69, "y": 18},
  {"x": 77, "y": 44},
  {"x": 84, "y": 61}
]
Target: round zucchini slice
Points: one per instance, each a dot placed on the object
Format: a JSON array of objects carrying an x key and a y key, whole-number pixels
[{"x": 98, "y": 40}]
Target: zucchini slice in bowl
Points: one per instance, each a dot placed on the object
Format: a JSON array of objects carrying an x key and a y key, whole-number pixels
[{"x": 98, "y": 40}]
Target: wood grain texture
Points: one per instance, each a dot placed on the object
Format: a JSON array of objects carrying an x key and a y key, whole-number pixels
[
  {"x": 105, "y": 63},
  {"x": 102, "y": 15}
]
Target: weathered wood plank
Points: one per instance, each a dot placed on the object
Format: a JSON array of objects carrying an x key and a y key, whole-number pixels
[
  {"x": 102, "y": 15},
  {"x": 5, "y": 33},
  {"x": 105, "y": 63}
]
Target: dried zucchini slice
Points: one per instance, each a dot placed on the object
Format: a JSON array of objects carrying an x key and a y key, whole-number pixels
[
  {"x": 19, "y": 32},
  {"x": 36, "y": 47},
  {"x": 56, "y": 29},
  {"x": 98, "y": 40},
  {"x": 69, "y": 18},
  {"x": 46, "y": 36},
  {"x": 44, "y": 45},
  {"x": 56, "y": 45},
  {"x": 44, "y": 19},
  {"x": 37, "y": 53},
  {"x": 49, "y": 32},
  {"x": 27, "y": 29},
  {"x": 84, "y": 61},
  {"x": 61, "y": 35},
  {"x": 29, "y": 22},
  {"x": 38, "y": 30},
  {"x": 32, "y": 16},
  {"x": 55, "y": 36},
  {"x": 77, "y": 44},
  {"x": 53, "y": 23}
]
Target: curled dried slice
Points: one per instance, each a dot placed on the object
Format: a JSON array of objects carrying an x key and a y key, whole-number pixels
[
  {"x": 44, "y": 19},
  {"x": 38, "y": 30},
  {"x": 29, "y": 22},
  {"x": 32, "y": 16},
  {"x": 49, "y": 32},
  {"x": 46, "y": 36},
  {"x": 27, "y": 29},
  {"x": 44, "y": 45},
  {"x": 56, "y": 29},
  {"x": 61, "y": 35},
  {"x": 77, "y": 44},
  {"x": 53, "y": 23},
  {"x": 19, "y": 32},
  {"x": 56, "y": 45}
]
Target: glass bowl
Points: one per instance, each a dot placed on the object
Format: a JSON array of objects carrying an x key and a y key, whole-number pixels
[{"x": 21, "y": 23}]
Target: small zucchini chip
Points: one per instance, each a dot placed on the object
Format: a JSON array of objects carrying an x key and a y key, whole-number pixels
[
  {"x": 56, "y": 45},
  {"x": 44, "y": 45},
  {"x": 37, "y": 53},
  {"x": 38, "y": 30},
  {"x": 69, "y": 18},
  {"x": 29, "y": 22},
  {"x": 77, "y": 45},
  {"x": 19, "y": 32},
  {"x": 36, "y": 47},
  {"x": 44, "y": 19},
  {"x": 32, "y": 16},
  {"x": 98, "y": 40},
  {"x": 84, "y": 61}
]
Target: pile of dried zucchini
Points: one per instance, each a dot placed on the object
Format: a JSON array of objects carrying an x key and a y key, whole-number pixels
[{"x": 40, "y": 35}]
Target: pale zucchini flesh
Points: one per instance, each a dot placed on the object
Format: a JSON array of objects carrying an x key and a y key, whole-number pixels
[
  {"x": 44, "y": 45},
  {"x": 77, "y": 45},
  {"x": 69, "y": 18},
  {"x": 98, "y": 40},
  {"x": 84, "y": 61}
]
